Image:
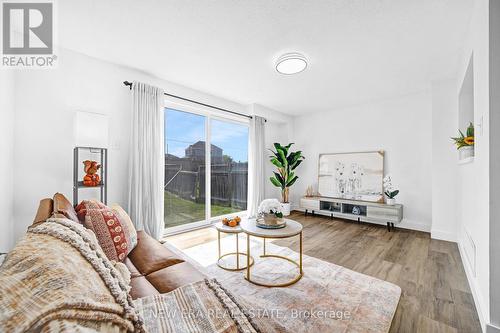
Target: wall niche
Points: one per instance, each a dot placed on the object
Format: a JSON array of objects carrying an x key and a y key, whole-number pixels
[{"x": 466, "y": 108}]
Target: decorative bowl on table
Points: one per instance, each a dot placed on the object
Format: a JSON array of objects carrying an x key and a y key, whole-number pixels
[
  {"x": 231, "y": 222},
  {"x": 270, "y": 221}
]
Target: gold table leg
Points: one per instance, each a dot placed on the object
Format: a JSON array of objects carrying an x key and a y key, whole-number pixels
[
  {"x": 284, "y": 284},
  {"x": 250, "y": 260},
  {"x": 237, "y": 252},
  {"x": 300, "y": 254},
  {"x": 218, "y": 242},
  {"x": 248, "y": 257}
]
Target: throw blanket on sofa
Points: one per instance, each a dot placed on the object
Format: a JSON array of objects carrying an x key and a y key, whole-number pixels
[
  {"x": 201, "y": 307},
  {"x": 57, "y": 279}
]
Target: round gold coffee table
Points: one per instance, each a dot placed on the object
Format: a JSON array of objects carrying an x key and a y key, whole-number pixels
[
  {"x": 231, "y": 230},
  {"x": 292, "y": 229}
]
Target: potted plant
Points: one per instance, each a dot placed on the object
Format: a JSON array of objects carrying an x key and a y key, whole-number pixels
[
  {"x": 270, "y": 214},
  {"x": 286, "y": 162},
  {"x": 465, "y": 143},
  {"x": 390, "y": 191}
]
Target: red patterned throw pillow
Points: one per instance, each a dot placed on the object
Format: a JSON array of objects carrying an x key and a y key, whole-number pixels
[
  {"x": 81, "y": 209},
  {"x": 116, "y": 235}
]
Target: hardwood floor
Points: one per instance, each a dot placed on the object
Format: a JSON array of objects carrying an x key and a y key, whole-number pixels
[{"x": 435, "y": 293}]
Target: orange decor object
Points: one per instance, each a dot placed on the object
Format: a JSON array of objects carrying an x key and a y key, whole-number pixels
[
  {"x": 233, "y": 222},
  {"x": 91, "y": 177}
]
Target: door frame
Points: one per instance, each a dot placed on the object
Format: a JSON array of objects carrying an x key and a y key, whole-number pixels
[{"x": 209, "y": 114}]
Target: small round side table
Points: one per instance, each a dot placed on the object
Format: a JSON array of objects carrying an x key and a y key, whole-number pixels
[
  {"x": 236, "y": 231},
  {"x": 292, "y": 229}
]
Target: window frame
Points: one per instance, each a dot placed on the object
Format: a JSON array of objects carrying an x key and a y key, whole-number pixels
[{"x": 209, "y": 114}]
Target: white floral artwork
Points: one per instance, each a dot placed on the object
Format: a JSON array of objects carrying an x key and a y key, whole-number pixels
[{"x": 355, "y": 176}]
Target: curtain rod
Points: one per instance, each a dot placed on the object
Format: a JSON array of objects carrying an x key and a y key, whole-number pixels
[{"x": 129, "y": 84}]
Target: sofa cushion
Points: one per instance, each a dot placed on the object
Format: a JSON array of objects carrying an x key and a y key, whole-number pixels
[
  {"x": 112, "y": 235},
  {"x": 45, "y": 210},
  {"x": 134, "y": 272},
  {"x": 173, "y": 277},
  {"x": 150, "y": 255},
  {"x": 64, "y": 207},
  {"x": 141, "y": 287}
]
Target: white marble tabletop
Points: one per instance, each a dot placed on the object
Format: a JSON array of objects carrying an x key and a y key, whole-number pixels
[
  {"x": 292, "y": 228},
  {"x": 227, "y": 229}
]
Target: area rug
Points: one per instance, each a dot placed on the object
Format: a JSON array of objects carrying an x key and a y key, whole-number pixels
[{"x": 328, "y": 298}]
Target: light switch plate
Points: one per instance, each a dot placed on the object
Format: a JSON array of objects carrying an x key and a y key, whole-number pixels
[{"x": 479, "y": 125}]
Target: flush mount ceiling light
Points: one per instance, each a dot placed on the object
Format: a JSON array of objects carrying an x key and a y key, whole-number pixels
[{"x": 291, "y": 63}]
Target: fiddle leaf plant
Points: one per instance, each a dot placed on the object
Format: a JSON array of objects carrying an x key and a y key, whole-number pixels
[{"x": 286, "y": 162}]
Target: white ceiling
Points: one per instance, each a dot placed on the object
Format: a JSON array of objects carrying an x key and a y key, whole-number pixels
[{"x": 358, "y": 50}]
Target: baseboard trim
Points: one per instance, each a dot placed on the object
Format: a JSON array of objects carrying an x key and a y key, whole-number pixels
[
  {"x": 443, "y": 235},
  {"x": 473, "y": 287},
  {"x": 409, "y": 224},
  {"x": 492, "y": 329}
]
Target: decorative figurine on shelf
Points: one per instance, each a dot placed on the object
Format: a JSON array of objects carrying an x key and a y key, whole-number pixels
[
  {"x": 310, "y": 191},
  {"x": 91, "y": 177}
]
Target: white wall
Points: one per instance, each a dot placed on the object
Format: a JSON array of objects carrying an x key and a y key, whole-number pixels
[
  {"x": 444, "y": 160},
  {"x": 46, "y": 101},
  {"x": 400, "y": 126},
  {"x": 466, "y": 98},
  {"x": 7, "y": 165},
  {"x": 473, "y": 179}
]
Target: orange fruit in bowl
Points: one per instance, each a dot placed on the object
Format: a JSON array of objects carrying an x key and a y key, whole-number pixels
[
  {"x": 238, "y": 219},
  {"x": 233, "y": 223},
  {"x": 225, "y": 221}
]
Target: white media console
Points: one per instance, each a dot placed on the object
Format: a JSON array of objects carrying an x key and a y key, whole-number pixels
[{"x": 361, "y": 211}]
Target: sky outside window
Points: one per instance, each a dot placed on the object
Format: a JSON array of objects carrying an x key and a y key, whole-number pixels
[{"x": 184, "y": 129}]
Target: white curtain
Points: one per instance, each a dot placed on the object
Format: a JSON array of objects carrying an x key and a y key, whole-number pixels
[
  {"x": 147, "y": 159},
  {"x": 257, "y": 178}
]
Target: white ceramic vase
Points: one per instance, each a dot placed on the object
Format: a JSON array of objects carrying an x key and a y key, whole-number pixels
[
  {"x": 285, "y": 206},
  {"x": 390, "y": 201},
  {"x": 465, "y": 152},
  {"x": 270, "y": 221}
]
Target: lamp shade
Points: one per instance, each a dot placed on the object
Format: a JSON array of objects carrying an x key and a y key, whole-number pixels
[{"x": 91, "y": 130}]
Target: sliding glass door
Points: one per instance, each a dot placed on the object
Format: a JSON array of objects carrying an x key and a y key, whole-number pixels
[
  {"x": 184, "y": 168},
  {"x": 228, "y": 167},
  {"x": 206, "y": 168}
]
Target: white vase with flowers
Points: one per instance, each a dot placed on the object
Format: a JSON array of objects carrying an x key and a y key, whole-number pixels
[{"x": 270, "y": 214}]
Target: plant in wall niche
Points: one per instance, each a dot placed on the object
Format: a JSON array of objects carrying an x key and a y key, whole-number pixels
[
  {"x": 286, "y": 162},
  {"x": 465, "y": 143},
  {"x": 390, "y": 190}
]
